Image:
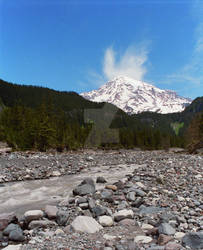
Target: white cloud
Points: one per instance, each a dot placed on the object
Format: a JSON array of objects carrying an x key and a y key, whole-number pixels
[{"x": 131, "y": 63}]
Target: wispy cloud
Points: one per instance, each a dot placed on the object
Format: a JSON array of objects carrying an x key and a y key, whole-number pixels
[
  {"x": 131, "y": 63},
  {"x": 191, "y": 74}
]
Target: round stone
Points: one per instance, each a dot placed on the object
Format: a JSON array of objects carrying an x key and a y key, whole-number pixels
[{"x": 106, "y": 221}]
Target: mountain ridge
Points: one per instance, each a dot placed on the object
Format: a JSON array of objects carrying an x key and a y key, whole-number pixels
[{"x": 134, "y": 96}]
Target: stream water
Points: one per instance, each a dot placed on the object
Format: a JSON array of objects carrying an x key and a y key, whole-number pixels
[{"x": 19, "y": 197}]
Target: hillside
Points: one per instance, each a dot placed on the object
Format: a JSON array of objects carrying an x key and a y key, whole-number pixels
[
  {"x": 41, "y": 118},
  {"x": 32, "y": 96}
]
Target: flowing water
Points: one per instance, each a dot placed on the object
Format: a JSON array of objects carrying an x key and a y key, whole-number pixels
[{"x": 19, "y": 197}]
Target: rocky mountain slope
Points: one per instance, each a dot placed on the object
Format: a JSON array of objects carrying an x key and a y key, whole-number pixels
[{"x": 135, "y": 96}]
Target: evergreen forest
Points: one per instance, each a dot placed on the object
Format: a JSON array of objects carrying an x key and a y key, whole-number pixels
[{"x": 37, "y": 118}]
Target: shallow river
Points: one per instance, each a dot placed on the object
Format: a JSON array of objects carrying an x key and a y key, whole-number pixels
[{"x": 21, "y": 196}]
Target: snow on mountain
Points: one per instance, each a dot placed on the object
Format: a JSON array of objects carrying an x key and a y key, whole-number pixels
[{"x": 135, "y": 96}]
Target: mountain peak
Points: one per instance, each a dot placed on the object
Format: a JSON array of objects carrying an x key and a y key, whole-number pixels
[
  {"x": 124, "y": 80},
  {"x": 135, "y": 96}
]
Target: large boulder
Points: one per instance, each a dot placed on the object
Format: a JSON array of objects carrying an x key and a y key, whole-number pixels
[{"x": 86, "y": 224}]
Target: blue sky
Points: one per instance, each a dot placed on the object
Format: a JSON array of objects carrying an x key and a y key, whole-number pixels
[{"x": 79, "y": 45}]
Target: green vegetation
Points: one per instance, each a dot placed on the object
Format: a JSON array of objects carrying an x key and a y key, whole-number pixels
[
  {"x": 40, "y": 118},
  {"x": 177, "y": 126}
]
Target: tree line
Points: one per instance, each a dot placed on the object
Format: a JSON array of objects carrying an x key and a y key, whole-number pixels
[{"x": 45, "y": 127}]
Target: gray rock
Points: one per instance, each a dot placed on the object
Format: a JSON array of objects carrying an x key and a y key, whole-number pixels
[
  {"x": 106, "y": 195},
  {"x": 129, "y": 245},
  {"x": 84, "y": 205},
  {"x": 51, "y": 211},
  {"x": 123, "y": 214},
  {"x": 166, "y": 228},
  {"x": 89, "y": 181},
  {"x": 131, "y": 196},
  {"x": 122, "y": 205},
  {"x": 143, "y": 239},
  {"x": 166, "y": 217},
  {"x": 1, "y": 237},
  {"x": 101, "y": 179},
  {"x": 90, "y": 158},
  {"x": 150, "y": 210},
  {"x": 139, "y": 192},
  {"x": 91, "y": 203},
  {"x": 84, "y": 189},
  {"x": 62, "y": 217},
  {"x": 193, "y": 240},
  {"x": 16, "y": 235},
  {"x": 11, "y": 227},
  {"x": 33, "y": 215},
  {"x": 81, "y": 200},
  {"x": 138, "y": 202},
  {"x": 106, "y": 221},
  {"x": 71, "y": 200},
  {"x": 41, "y": 224},
  {"x": 108, "y": 211},
  {"x": 98, "y": 211},
  {"x": 86, "y": 224}
]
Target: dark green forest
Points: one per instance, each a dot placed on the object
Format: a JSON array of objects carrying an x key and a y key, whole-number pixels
[{"x": 37, "y": 118}]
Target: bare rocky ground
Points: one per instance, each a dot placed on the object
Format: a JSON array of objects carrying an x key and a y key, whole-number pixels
[{"x": 158, "y": 206}]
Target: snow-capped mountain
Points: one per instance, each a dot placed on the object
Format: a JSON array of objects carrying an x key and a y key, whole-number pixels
[{"x": 135, "y": 96}]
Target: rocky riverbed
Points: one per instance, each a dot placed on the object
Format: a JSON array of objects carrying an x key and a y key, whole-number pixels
[{"x": 115, "y": 200}]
